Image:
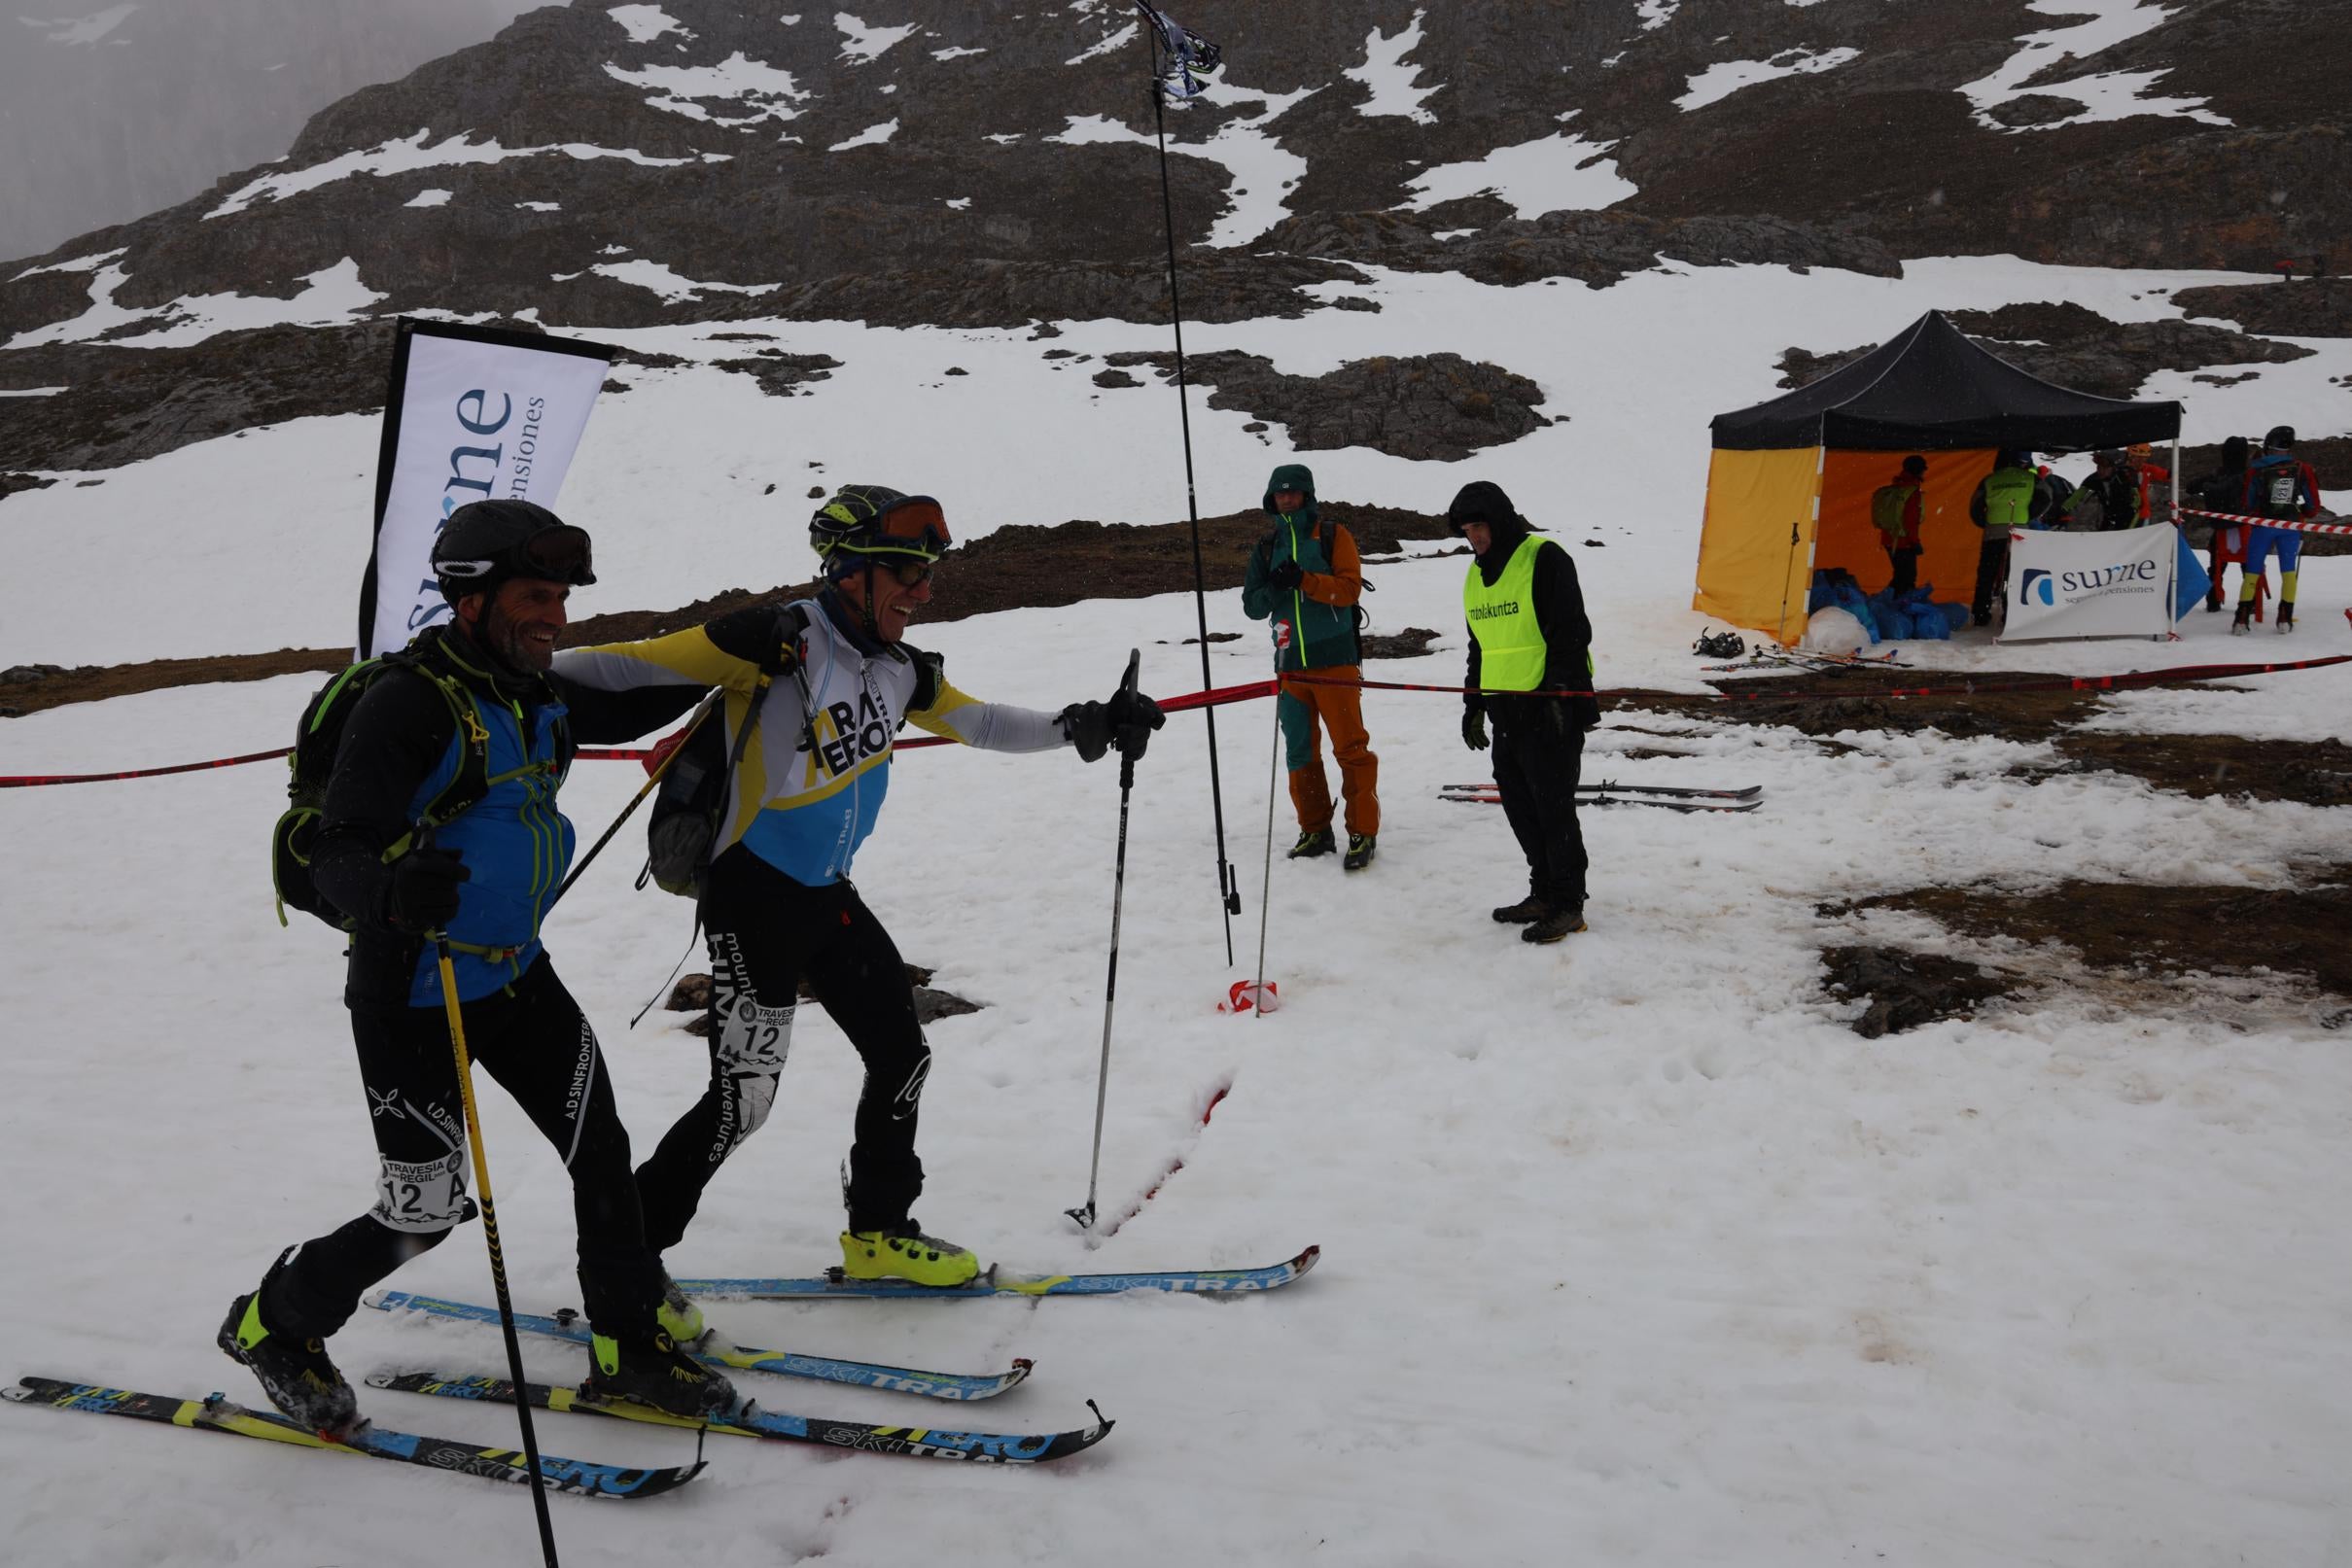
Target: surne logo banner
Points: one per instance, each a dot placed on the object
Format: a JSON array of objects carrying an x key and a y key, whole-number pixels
[
  {"x": 472, "y": 413},
  {"x": 2117, "y": 584}
]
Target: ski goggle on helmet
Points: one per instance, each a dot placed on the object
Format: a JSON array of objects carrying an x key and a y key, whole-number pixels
[
  {"x": 488, "y": 542},
  {"x": 872, "y": 520}
]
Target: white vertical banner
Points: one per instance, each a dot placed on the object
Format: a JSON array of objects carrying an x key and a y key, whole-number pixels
[
  {"x": 473, "y": 414},
  {"x": 2117, "y": 584}
]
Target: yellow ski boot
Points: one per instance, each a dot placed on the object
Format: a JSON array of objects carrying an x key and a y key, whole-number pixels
[{"x": 904, "y": 1252}]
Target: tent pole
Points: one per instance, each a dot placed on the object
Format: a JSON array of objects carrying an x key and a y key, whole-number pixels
[{"x": 1812, "y": 551}]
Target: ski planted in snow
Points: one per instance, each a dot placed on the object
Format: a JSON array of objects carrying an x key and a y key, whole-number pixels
[
  {"x": 922, "y": 1442},
  {"x": 718, "y": 1352},
  {"x": 576, "y": 1476},
  {"x": 1491, "y": 796},
  {"x": 1608, "y": 787},
  {"x": 997, "y": 1281}
]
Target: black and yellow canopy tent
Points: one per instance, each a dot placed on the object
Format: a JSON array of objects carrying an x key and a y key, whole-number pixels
[{"x": 1789, "y": 486}]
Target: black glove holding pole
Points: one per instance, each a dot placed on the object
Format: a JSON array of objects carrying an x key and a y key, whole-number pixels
[
  {"x": 1125, "y": 721},
  {"x": 423, "y": 893}
]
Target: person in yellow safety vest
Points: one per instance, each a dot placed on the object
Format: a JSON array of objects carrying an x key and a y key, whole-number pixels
[
  {"x": 2011, "y": 495},
  {"x": 1528, "y": 634}
]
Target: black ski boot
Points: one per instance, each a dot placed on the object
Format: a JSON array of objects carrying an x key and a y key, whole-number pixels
[
  {"x": 1557, "y": 925},
  {"x": 2286, "y": 615},
  {"x": 1312, "y": 843},
  {"x": 294, "y": 1375},
  {"x": 1527, "y": 912},
  {"x": 655, "y": 1371},
  {"x": 1361, "y": 847},
  {"x": 2243, "y": 621}
]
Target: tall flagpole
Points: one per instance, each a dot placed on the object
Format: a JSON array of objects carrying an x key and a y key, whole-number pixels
[{"x": 1229, "y": 894}]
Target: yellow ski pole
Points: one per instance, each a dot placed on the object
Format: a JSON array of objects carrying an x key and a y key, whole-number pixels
[{"x": 498, "y": 1256}]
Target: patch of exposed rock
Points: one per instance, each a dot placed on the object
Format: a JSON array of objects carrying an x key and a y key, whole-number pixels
[
  {"x": 781, "y": 374},
  {"x": 2307, "y": 308},
  {"x": 122, "y": 404},
  {"x": 1598, "y": 248},
  {"x": 1434, "y": 406}
]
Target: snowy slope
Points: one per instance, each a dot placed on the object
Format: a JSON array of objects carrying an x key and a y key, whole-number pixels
[
  {"x": 1634, "y": 1252},
  {"x": 673, "y": 474}
]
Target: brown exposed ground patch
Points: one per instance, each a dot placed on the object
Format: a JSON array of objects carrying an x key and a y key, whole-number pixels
[
  {"x": 1907, "y": 990},
  {"x": 2172, "y": 931},
  {"x": 1825, "y": 703},
  {"x": 1017, "y": 567},
  {"x": 2316, "y": 773}
]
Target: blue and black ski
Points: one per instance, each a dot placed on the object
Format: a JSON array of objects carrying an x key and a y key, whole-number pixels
[
  {"x": 577, "y": 1478},
  {"x": 833, "y": 1284},
  {"x": 716, "y": 1352},
  {"x": 923, "y": 1443}
]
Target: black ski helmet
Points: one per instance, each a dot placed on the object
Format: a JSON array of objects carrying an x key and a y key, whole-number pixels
[
  {"x": 2280, "y": 438},
  {"x": 864, "y": 521},
  {"x": 487, "y": 542}
]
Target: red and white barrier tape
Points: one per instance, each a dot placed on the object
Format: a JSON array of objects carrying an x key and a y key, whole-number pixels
[
  {"x": 2291, "y": 525},
  {"x": 1222, "y": 695}
]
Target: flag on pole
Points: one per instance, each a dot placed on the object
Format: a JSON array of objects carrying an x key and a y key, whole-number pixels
[
  {"x": 472, "y": 413},
  {"x": 1182, "y": 58}
]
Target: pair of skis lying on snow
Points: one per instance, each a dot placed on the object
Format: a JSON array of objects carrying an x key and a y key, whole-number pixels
[
  {"x": 588, "y": 1478},
  {"x": 1606, "y": 793}
]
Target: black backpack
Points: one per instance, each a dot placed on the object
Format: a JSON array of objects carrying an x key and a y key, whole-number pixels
[
  {"x": 683, "y": 821},
  {"x": 312, "y": 762}
]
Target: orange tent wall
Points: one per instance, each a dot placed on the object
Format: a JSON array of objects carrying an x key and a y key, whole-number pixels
[{"x": 1847, "y": 536}]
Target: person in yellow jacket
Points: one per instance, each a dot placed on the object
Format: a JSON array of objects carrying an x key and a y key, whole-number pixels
[
  {"x": 826, "y": 684},
  {"x": 1529, "y": 633}
]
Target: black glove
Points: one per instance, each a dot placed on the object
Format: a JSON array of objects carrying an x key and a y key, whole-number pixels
[
  {"x": 1088, "y": 727},
  {"x": 424, "y": 889},
  {"x": 1132, "y": 718},
  {"x": 1474, "y": 729},
  {"x": 1285, "y": 574}
]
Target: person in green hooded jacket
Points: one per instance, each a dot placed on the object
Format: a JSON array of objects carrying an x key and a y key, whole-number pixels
[{"x": 1305, "y": 578}]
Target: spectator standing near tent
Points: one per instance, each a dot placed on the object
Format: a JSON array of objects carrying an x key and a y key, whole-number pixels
[
  {"x": 2156, "y": 482},
  {"x": 1896, "y": 511},
  {"x": 2278, "y": 484},
  {"x": 1305, "y": 578},
  {"x": 1529, "y": 633},
  {"x": 2010, "y": 496},
  {"x": 2109, "y": 499},
  {"x": 2225, "y": 491}
]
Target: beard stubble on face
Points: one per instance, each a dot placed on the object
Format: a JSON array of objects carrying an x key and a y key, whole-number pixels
[{"x": 502, "y": 637}]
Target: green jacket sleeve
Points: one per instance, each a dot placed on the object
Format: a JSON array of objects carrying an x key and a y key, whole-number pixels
[{"x": 1257, "y": 594}]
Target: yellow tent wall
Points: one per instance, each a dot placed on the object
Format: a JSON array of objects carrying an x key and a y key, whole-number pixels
[
  {"x": 1765, "y": 534},
  {"x": 1756, "y": 548}
]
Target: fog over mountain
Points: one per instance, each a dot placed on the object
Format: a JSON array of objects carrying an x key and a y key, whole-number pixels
[{"x": 108, "y": 111}]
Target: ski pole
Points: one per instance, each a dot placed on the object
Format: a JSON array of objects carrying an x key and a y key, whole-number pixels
[
  {"x": 498, "y": 1256},
  {"x": 1228, "y": 878},
  {"x": 652, "y": 782},
  {"x": 1110, "y": 985},
  {"x": 1265, "y": 898}
]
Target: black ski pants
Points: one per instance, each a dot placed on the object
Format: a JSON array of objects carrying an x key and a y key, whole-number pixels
[
  {"x": 1993, "y": 569},
  {"x": 1538, "y": 753},
  {"x": 1906, "y": 562},
  {"x": 533, "y": 1041},
  {"x": 767, "y": 933}
]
